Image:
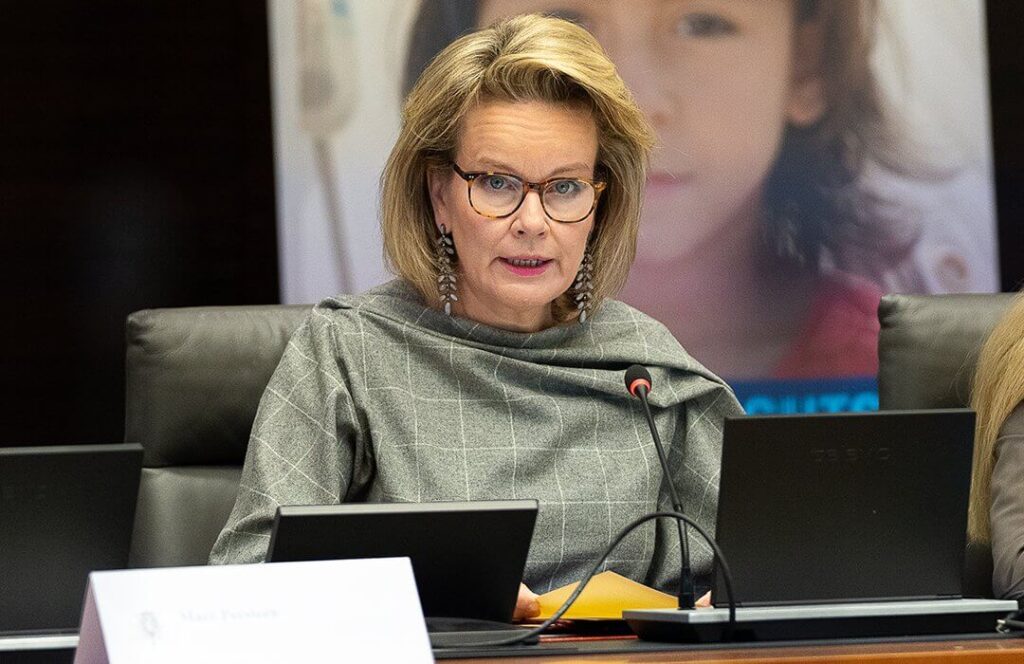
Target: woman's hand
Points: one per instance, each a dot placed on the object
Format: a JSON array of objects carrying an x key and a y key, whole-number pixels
[{"x": 527, "y": 605}]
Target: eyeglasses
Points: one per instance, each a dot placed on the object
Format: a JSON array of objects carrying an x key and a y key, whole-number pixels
[{"x": 498, "y": 195}]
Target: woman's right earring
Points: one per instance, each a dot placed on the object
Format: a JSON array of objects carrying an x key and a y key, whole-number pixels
[
  {"x": 583, "y": 285},
  {"x": 446, "y": 276}
]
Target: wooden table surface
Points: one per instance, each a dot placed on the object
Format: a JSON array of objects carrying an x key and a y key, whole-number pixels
[{"x": 1001, "y": 651}]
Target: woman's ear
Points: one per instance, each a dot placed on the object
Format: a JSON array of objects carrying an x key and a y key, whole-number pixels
[
  {"x": 807, "y": 102},
  {"x": 437, "y": 186}
]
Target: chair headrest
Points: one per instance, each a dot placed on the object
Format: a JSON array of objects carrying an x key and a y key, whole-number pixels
[
  {"x": 928, "y": 347},
  {"x": 194, "y": 377}
]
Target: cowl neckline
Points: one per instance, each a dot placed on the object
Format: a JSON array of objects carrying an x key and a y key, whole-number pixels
[
  {"x": 603, "y": 347},
  {"x": 400, "y": 301}
]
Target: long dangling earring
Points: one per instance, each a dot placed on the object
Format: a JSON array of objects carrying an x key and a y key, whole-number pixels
[
  {"x": 446, "y": 277},
  {"x": 584, "y": 285}
]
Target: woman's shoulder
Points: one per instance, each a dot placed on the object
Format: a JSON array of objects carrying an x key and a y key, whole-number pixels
[
  {"x": 618, "y": 320},
  {"x": 343, "y": 318},
  {"x": 1013, "y": 425},
  {"x": 619, "y": 311},
  {"x": 395, "y": 298},
  {"x": 646, "y": 339}
]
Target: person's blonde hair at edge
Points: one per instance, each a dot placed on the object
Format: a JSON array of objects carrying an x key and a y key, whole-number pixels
[
  {"x": 524, "y": 58},
  {"x": 997, "y": 389}
]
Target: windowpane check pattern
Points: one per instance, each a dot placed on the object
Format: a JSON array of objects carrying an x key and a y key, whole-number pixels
[{"x": 379, "y": 398}]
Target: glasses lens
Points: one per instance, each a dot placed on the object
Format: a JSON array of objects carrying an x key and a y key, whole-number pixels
[
  {"x": 495, "y": 195},
  {"x": 568, "y": 200}
]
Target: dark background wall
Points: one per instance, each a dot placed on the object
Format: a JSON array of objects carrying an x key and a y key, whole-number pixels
[
  {"x": 1006, "y": 67},
  {"x": 136, "y": 171}
]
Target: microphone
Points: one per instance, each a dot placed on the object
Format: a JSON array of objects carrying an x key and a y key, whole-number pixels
[
  {"x": 639, "y": 384},
  {"x": 638, "y": 381}
]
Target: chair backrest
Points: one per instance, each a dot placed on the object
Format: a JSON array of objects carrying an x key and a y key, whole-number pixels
[
  {"x": 928, "y": 348},
  {"x": 194, "y": 377}
]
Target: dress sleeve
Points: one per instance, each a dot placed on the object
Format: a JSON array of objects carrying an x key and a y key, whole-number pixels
[
  {"x": 1007, "y": 513},
  {"x": 304, "y": 448}
]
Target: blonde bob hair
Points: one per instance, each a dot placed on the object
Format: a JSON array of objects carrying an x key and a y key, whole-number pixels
[
  {"x": 998, "y": 388},
  {"x": 524, "y": 58}
]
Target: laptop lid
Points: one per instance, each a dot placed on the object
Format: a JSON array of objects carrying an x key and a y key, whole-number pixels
[
  {"x": 64, "y": 512},
  {"x": 468, "y": 557},
  {"x": 855, "y": 506}
]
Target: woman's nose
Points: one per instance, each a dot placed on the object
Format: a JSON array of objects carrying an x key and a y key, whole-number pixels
[{"x": 530, "y": 218}]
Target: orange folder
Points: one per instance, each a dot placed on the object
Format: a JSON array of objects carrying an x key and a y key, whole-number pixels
[{"x": 604, "y": 598}]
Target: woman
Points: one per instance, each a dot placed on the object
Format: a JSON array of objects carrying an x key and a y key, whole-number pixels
[
  {"x": 492, "y": 367},
  {"x": 996, "y": 513},
  {"x": 761, "y": 249}
]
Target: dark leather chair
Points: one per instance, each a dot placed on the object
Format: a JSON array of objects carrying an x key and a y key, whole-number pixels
[
  {"x": 928, "y": 347},
  {"x": 194, "y": 380},
  {"x": 927, "y": 351}
]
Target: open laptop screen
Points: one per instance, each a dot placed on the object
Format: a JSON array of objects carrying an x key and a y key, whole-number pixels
[
  {"x": 826, "y": 508},
  {"x": 468, "y": 557},
  {"x": 64, "y": 512}
]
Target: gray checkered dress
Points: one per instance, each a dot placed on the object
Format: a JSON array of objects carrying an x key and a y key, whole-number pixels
[{"x": 380, "y": 399}]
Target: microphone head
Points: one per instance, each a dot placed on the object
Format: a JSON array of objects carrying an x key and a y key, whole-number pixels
[{"x": 636, "y": 377}]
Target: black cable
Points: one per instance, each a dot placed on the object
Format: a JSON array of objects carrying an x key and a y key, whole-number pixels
[
  {"x": 1011, "y": 623},
  {"x": 678, "y": 516}
]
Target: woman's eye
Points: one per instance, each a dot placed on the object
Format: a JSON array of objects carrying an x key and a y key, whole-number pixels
[
  {"x": 701, "y": 24},
  {"x": 566, "y": 187},
  {"x": 496, "y": 182}
]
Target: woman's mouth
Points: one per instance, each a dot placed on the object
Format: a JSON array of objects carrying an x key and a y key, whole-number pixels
[{"x": 526, "y": 267}]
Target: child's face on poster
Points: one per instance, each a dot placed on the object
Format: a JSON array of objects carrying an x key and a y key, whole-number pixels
[{"x": 719, "y": 80}]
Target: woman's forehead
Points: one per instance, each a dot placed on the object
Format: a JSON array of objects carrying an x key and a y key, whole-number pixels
[{"x": 540, "y": 137}]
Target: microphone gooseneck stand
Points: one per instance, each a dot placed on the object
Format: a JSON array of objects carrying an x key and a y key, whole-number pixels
[{"x": 638, "y": 382}]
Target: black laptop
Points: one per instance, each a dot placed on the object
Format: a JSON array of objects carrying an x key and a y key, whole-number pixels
[
  {"x": 840, "y": 526},
  {"x": 468, "y": 557},
  {"x": 847, "y": 507},
  {"x": 64, "y": 512}
]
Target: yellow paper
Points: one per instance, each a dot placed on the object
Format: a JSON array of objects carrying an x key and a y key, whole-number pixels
[{"x": 605, "y": 598}]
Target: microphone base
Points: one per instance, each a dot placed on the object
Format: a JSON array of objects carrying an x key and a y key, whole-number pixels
[{"x": 821, "y": 621}]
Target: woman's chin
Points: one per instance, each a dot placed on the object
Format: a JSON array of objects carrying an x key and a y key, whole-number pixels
[{"x": 532, "y": 289}]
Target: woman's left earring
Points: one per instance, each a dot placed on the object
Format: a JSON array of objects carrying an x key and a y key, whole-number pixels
[
  {"x": 446, "y": 277},
  {"x": 583, "y": 286}
]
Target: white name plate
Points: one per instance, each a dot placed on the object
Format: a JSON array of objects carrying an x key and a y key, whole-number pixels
[{"x": 324, "y": 611}]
